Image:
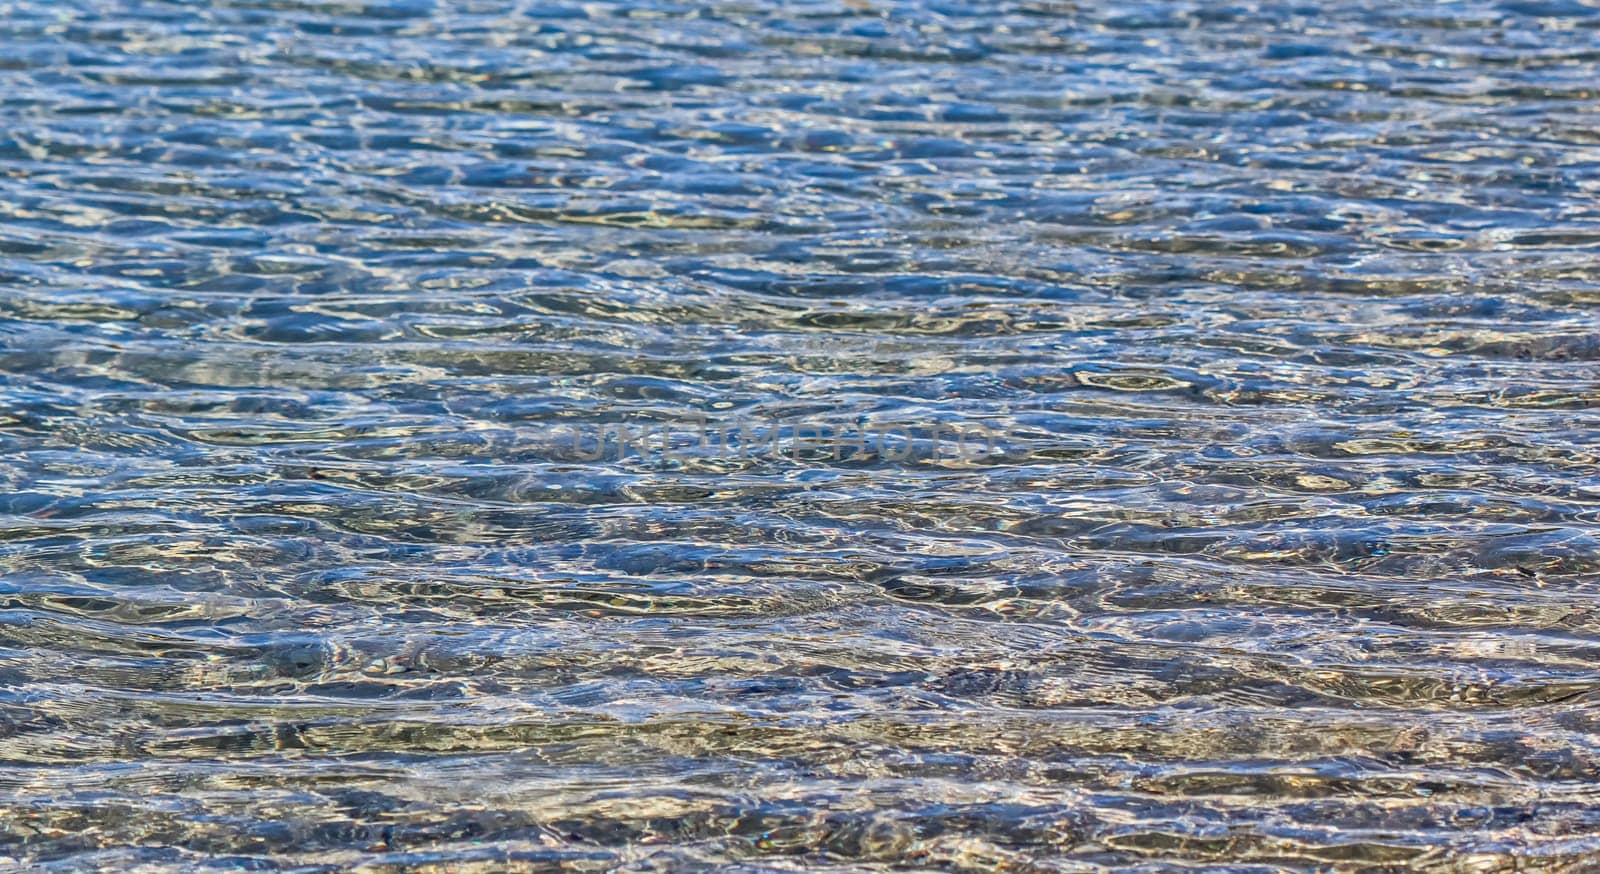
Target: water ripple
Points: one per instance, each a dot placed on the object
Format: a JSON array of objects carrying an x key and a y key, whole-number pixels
[{"x": 1287, "y": 314}]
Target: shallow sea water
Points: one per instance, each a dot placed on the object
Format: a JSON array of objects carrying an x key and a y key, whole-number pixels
[{"x": 1288, "y": 559}]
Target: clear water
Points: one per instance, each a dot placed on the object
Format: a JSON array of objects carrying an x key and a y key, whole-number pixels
[{"x": 1288, "y": 311}]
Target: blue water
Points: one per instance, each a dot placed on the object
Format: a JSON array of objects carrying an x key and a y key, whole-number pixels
[{"x": 325, "y": 541}]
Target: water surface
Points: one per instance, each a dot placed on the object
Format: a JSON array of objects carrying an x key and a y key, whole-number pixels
[{"x": 1289, "y": 310}]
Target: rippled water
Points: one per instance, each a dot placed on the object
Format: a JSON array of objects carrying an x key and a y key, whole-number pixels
[{"x": 1289, "y": 312}]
